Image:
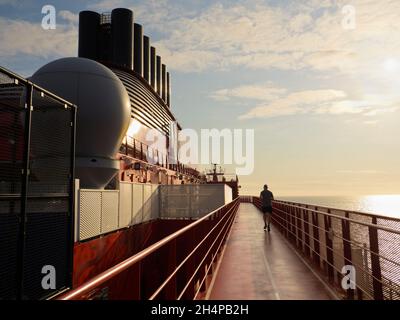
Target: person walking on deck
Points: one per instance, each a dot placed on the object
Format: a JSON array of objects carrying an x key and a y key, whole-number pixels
[{"x": 266, "y": 198}]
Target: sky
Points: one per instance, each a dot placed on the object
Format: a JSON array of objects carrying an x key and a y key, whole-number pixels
[{"x": 317, "y": 80}]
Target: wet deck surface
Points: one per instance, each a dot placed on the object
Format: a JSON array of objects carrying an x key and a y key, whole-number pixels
[{"x": 258, "y": 265}]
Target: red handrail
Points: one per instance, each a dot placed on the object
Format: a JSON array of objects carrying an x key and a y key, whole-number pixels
[
  {"x": 155, "y": 294},
  {"x": 101, "y": 279}
]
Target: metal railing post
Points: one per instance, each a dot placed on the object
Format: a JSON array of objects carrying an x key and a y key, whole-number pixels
[
  {"x": 289, "y": 211},
  {"x": 306, "y": 232},
  {"x": 299, "y": 229},
  {"x": 287, "y": 217},
  {"x": 347, "y": 250},
  {"x": 316, "y": 252},
  {"x": 290, "y": 223},
  {"x": 283, "y": 219},
  {"x": 329, "y": 246},
  {"x": 375, "y": 262},
  {"x": 294, "y": 221},
  {"x": 294, "y": 226},
  {"x": 24, "y": 190}
]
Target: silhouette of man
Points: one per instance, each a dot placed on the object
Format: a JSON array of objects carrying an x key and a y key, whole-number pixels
[{"x": 266, "y": 198}]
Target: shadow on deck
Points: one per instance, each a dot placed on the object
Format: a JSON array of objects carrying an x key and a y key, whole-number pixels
[{"x": 257, "y": 265}]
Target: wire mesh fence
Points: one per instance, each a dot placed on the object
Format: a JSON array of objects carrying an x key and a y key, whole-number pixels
[{"x": 37, "y": 131}]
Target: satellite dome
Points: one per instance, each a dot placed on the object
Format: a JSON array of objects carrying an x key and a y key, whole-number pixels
[{"x": 103, "y": 114}]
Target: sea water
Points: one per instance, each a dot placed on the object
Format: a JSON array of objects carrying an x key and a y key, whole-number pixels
[{"x": 385, "y": 205}]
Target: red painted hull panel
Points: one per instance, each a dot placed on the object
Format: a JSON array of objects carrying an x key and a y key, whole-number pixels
[{"x": 97, "y": 255}]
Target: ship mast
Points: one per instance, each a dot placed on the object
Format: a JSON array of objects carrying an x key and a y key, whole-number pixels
[{"x": 213, "y": 172}]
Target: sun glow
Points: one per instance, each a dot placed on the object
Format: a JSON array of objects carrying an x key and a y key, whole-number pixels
[
  {"x": 381, "y": 204},
  {"x": 391, "y": 65},
  {"x": 134, "y": 128}
]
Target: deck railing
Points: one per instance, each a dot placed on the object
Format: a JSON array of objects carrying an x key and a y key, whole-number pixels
[
  {"x": 369, "y": 245},
  {"x": 136, "y": 149},
  {"x": 177, "y": 267}
]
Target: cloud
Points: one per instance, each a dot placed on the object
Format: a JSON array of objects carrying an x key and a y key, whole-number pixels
[
  {"x": 23, "y": 37},
  {"x": 254, "y": 34},
  {"x": 277, "y": 101},
  {"x": 69, "y": 16},
  {"x": 105, "y": 5},
  {"x": 360, "y": 171},
  {"x": 155, "y": 15},
  {"x": 264, "y": 92},
  {"x": 371, "y": 123},
  {"x": 299, "y": 102},
  {"x": 300, "y": 22},
  {"x": 300, "y": 35},
  {"x": 318, "y": 102},
  {"x": 29, "y": 38},
  {"x": 180, "y": 59}
]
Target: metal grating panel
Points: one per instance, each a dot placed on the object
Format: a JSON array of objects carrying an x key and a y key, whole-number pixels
[
  {"x": 147, "y": 202},
  {"x": 125, "y": 205},
  {"x": 48, "y": 227},
  {"x": 390, "y": 259},
  {"x": 137, "y": 203},
  {"x": 42, "y": 251},
  {"x": 105, "y": 211},
  {"x": 90, "y": 214},
  {"x": 109, "y": 211},
  {"x": 190, "y": 201},
  {"x": 36, "y": 193},
  {"x": 50, "y": 158},
  {"x": 12, "y": 127},
  {"x": 359, "y": 235},
  {"x": 155, "y": 202},
  {"x": 9, "y": 232},
  {"x": 12, "y": 147},
  {"x": 338, "y": 256}
]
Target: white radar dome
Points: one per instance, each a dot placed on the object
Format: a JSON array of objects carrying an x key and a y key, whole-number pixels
[{"x": 103, "y": 114}]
